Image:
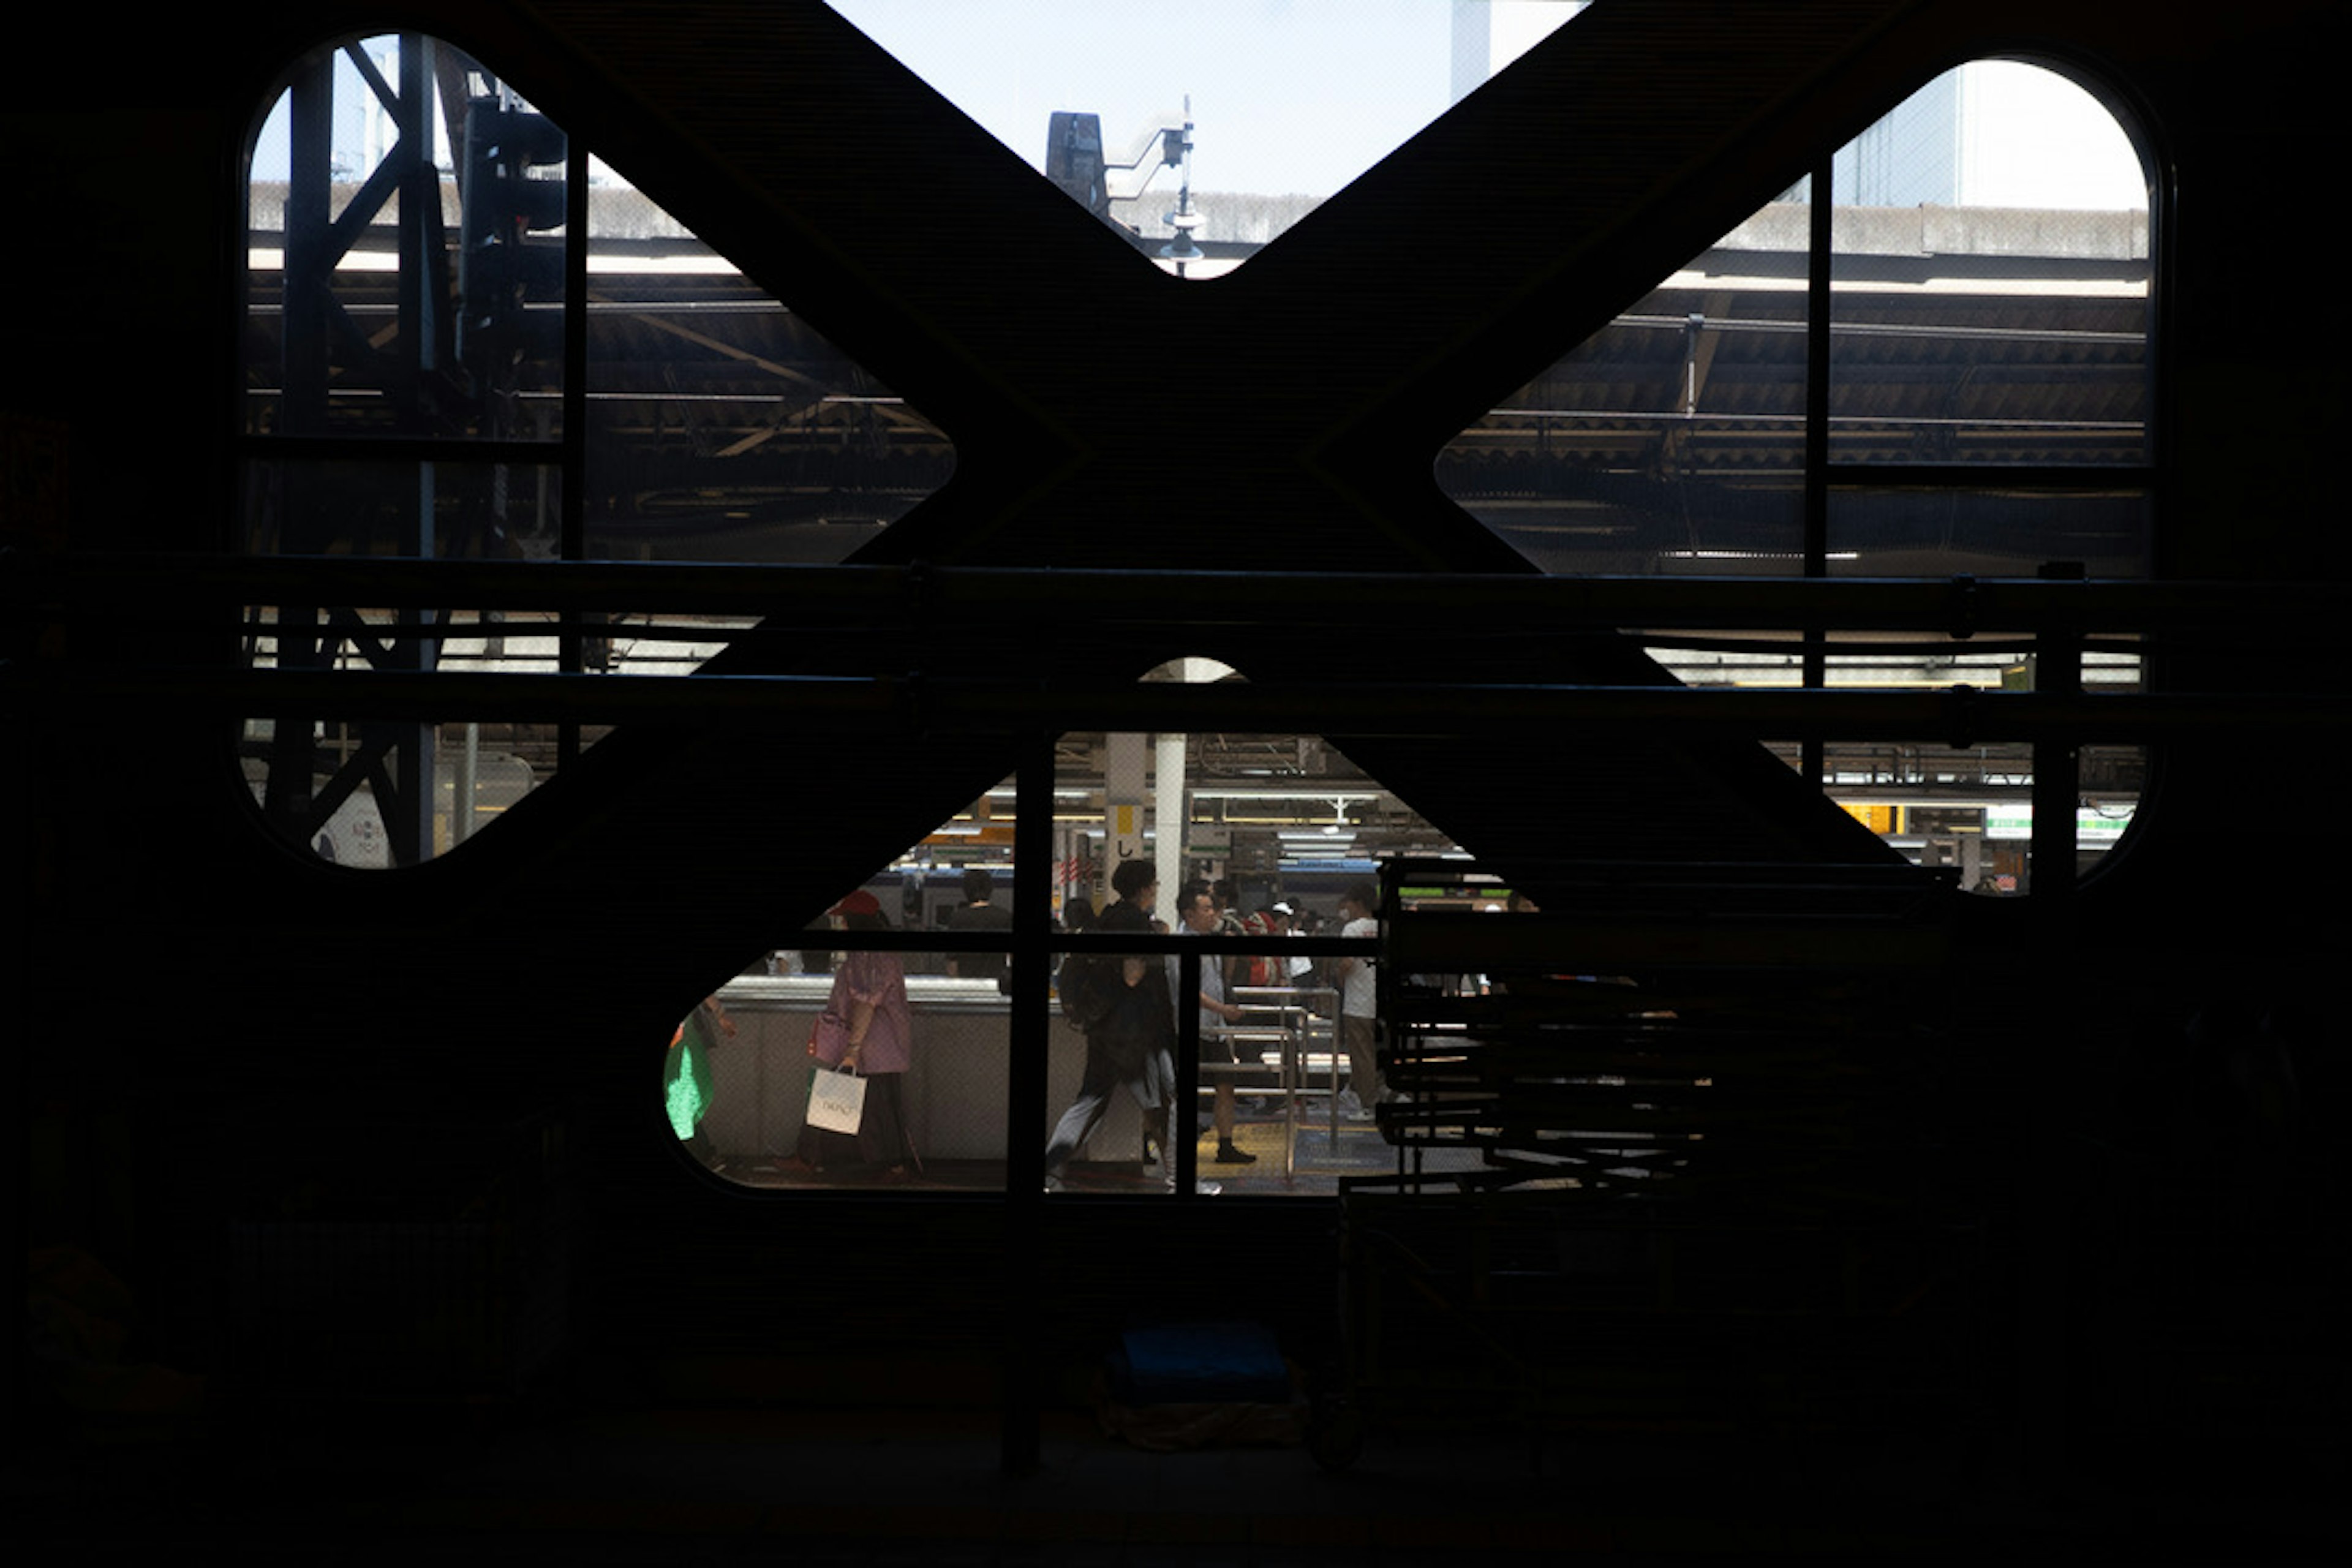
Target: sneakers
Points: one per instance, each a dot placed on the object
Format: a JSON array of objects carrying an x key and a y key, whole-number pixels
[
  {"x": 1228, "y": 1154},
  {"x": 1351, "y": 1108}
]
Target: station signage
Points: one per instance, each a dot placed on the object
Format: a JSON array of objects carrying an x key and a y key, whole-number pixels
[{"x": 2102, "y": 825}]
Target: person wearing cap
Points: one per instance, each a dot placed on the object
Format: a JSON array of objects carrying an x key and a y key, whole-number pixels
[
  {"x": 1281, "y": 920},
  {"x": 875, "y": 1040}
]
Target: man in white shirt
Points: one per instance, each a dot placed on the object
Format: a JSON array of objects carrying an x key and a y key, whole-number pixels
[{"x": 1197, "y": 909}]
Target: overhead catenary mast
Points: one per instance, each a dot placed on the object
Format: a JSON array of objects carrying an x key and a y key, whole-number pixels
[{"x": 1076, "y": 162}]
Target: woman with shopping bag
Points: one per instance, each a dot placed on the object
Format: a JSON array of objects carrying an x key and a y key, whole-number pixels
[{"x": 865, "y": 1037}]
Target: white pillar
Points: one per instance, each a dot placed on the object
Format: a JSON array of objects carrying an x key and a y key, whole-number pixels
[
  {"x": 1490, "y": 34},
  {"x": 1168, "y": 817},
  {"x": 1124, "y": 786}
]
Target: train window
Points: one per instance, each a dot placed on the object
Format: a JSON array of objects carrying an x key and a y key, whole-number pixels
[
  {"x": 723, "y": 426},
  {"x": 1202, "y": 131},
  {"x": 1989, "y": 282},
  {"x": 1275, "y": 829},
  {"x": 906, "y": 980},
  {"x": 1990, "y": 308},
  {"x": 1966, "y": 808},
  {"x": 422, "y": 379},
  {"x": 1276, "y": 832},
  {"x": 1672, "y": 441}
]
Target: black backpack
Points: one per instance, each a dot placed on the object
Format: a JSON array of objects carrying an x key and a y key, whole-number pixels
[{"x": 1090, "y": 987}]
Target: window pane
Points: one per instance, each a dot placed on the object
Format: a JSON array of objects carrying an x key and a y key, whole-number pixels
[
  {"x": 1990, "y": 305},
  {"x": 407, "y": 256},
  {"x": 1990, "y": 278},
  {"x": 404, "y": 508},
  {"x": 933, "y": 1027},
  {"x": 376, "y": 796},
  {"x": 380, "y": 794},
  {"x": 1673, "y": 441},
  {"x": 1995, "y": 532},
  {"x": 1276, "y": 831},
  {"x": 1990, "y": 283},
  {"x": 1226, "y": 121},
  {"x": 723, "y": 427},
  {"x": 937, "y": 1123},
  {"x": 1969, "y": 808}
]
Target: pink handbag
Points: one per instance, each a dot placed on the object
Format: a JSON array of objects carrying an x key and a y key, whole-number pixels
[{"x": 828, "y": 1036}]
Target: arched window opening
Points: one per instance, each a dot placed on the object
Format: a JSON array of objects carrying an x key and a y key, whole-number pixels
[
  {"x": 898, "y": 997},
  {"x": 1254, "y": 842},
  {"x": 465, "y": 340},
  {"x": 1946, "y": 372}
]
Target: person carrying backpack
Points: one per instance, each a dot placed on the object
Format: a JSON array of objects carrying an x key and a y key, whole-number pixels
[{"x": 1122, "y": 1005}]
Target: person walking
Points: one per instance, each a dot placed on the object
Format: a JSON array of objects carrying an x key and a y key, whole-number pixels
[
  {"x": 1122, "y": 1004},
  {"x": 866, "y": 1029}
]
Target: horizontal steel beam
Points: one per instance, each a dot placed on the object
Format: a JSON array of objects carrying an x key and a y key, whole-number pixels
[
  {"x": 181, "y": 587},
  {"x": 853, "y": 704}
]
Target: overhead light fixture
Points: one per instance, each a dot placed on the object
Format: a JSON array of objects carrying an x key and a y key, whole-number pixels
[{"x": 1341, "y": 799}]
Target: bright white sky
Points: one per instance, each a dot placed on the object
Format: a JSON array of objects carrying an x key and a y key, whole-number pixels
[
  {"x": 2035, "y": 140},
  {"x": 1301, "y": 95},
  {"x": 1287, "y": 94}
]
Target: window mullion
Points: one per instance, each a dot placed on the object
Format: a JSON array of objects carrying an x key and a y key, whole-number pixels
[
  {"x": 1819, "y": 239},
  {"x": 572, "y": 638}
]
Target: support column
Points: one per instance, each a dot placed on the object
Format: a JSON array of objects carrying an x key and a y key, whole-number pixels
[
  {"x": 1168, "y": 817},
  {"x": 1125, "y": 766},
  {"x": 1029, "y": 1037}
]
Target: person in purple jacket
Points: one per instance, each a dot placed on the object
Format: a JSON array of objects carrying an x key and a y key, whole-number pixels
[{"x": 874, "y": 1038}]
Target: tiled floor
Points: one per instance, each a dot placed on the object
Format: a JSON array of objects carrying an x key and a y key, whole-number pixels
[
  {"x": 874, "y": 1489},
  {"x": 1319, "y": 1160},
  {"x": 728, "y": 1486}
]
